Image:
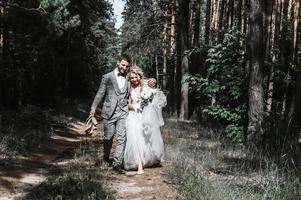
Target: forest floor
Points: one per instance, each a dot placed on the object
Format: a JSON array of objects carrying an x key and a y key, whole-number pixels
[
  {"x": 198, "y": 166},
  {"x": 25, "y": 172},
  {"x": 68, "y": 153}
]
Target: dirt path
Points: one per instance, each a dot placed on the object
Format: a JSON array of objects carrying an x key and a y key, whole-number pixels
[
  {"x": 26, "y": 172},
  {"x": 150, "y": 185}
]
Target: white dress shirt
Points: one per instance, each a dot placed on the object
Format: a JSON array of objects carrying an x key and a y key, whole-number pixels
[{"x": 120, "y": 79}]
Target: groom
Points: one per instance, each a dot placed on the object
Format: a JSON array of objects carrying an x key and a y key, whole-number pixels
[{"x": 113, "y": 92}]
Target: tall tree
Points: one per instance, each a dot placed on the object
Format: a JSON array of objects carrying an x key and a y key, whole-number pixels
[
  {"x": 173, "y": 100},
  {"x": 53, "y": 49},
  {"x": 294, "y": 116},
  {"x": 196, "y": 30},
  {"x": 256, "y": 92},
  {"x": 207, "y": 23},
  {"x": 184, "y": 41}
]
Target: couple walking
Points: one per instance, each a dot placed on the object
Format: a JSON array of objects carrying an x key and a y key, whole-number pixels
[{"x": 132, "y": 111}]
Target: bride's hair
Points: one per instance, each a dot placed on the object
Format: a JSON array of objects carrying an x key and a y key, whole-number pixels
[{"x": 136, "y": 70}]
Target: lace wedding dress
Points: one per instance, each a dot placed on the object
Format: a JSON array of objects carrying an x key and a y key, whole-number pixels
[{"x": 144, "y": 140}]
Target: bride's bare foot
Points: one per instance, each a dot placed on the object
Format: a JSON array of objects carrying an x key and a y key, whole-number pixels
[
  {"x": 140, "y": 172},
  {"x": 130, "y": 173},
  {"x": 140, "y": 168}
]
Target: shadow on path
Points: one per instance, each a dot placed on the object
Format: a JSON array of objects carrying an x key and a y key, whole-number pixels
[{"x": 25, "y": 172}]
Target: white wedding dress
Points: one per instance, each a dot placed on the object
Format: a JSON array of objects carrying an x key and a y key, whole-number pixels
[{"x": 144, "y": 140}]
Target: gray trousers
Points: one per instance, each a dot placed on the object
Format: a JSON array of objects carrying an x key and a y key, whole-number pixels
[{"x": 114, "y": 126}]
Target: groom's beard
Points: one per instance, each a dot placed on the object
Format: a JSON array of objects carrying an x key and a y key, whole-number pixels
[{"x": 122, "y": 71}]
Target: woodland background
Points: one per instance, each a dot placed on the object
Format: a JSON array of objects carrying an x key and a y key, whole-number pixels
[{"x": 231, "y": 63}]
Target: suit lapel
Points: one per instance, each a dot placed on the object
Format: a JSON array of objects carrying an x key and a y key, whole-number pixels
[{"x": 115, "y": 84}]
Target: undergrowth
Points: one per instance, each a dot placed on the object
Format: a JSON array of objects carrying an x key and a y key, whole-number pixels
[
  {"x": 79, "y": 178},
  {"x": 201, "y": 170}
]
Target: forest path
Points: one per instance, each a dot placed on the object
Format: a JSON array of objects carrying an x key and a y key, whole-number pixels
[
  {"x": 150, "y": 185},
  {"x": 25, "y": 173}
]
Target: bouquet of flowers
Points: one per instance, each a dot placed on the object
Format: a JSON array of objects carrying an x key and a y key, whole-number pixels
[
  {"x": 91, "y": 125},
  {"x": 147, "y": 95}
]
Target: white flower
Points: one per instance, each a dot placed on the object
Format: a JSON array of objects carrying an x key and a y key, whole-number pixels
[
  {"x": 147, "y": 93},
  {"x": 147, "y": 96}
]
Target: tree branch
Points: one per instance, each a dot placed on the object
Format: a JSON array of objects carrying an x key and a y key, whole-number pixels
[{"x": 39, "y": 10}]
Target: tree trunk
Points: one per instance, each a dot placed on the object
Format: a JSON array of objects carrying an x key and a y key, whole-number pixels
[
  {"x": 157, "y": 68},
  {"x": 183, "y": 28},
  {"x": 294, "y": 116},
  {"x": 1, "y": 28},
  {"x": 238, "y": 13},
  {"x": 196, "y": 29},
  {"x": 1, "y": 54},
  {"x": 214, "y": 21},
  {"x": 256, "y": 93},
  {"x": 184, "y": 112},
  {"x": 4, "y": 34},
  {"x": 175, "y": 54},
  {"x": 268, "y": 49},
  {"x": 285, "y": 44},
  {"x": 164, "y": 54},
  {"x": 231, "y": 10},
  {"x": 221, "y": 18},
  {"x": 245, "y": 30},
  {"x": 226, "y": 17},
  {"x": 207, "y": 23},
  {"x": 246, "y": 15},
  {"x": 296, "y": 30},
  {"x": 270, "y": 91}
]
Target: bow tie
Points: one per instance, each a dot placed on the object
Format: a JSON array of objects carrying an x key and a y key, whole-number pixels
[{"x": 120, "y": 74}]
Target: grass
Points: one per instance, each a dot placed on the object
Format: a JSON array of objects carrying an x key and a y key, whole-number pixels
[
  {"x": 26, "y": 129},
  {"x": 201, "y": 166},
  {"x": 80, "y": 177},
  {"x": 204, "y": 168}
]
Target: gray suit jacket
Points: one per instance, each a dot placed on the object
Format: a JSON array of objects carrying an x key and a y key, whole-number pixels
[{"x": 111, "y": 96}]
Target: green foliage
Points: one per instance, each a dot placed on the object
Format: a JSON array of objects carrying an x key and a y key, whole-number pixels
[
  {"x": 142, "y": 29},
  {"x": 59, "y": 15},
  {"x": 236, "y": 133},
  {"x": 232, "y": 118},
  {"x": 222, "y": 113},
  {"x": 226, "y": 65},
  {"x": 56, "y": 49},
  {"x": 224, "y": 85}
]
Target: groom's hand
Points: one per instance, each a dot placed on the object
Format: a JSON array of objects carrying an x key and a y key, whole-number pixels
[
  {"x": 152, "y": 82},
  {"x": 92, "y": 112}
]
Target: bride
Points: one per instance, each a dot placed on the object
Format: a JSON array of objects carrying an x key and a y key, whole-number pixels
[{"x": 144, "y": 146}]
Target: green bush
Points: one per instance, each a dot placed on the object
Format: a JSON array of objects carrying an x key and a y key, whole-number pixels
[{"x": 224, "y": 86}]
